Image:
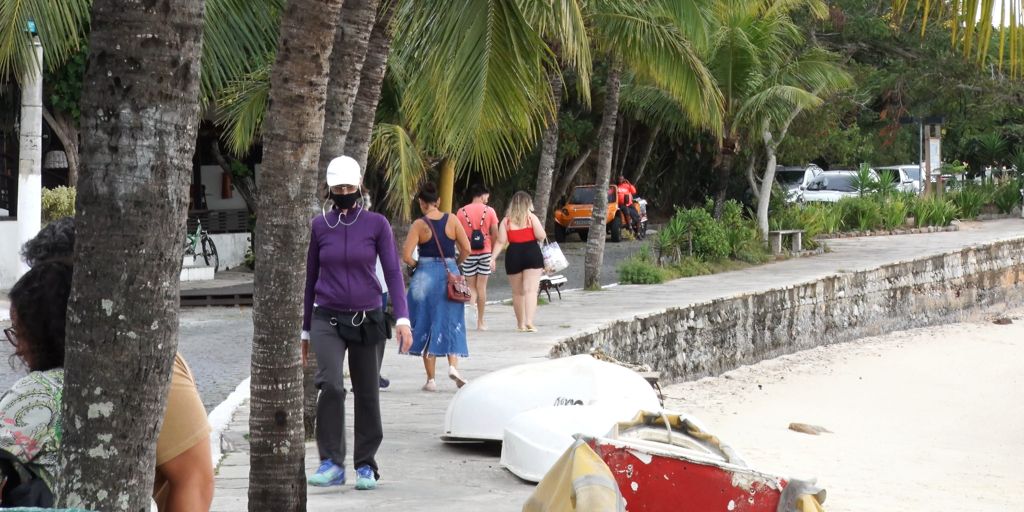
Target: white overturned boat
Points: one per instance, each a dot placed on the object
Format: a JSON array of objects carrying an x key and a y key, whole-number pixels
[{"x": 481, "y": 410}]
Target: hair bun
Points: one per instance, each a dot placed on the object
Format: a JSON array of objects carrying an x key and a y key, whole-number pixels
[{"x": 429, "y": 187}]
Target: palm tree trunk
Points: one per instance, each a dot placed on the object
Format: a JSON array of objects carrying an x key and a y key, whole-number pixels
[
  {"x": 446, "y": 187},
  {"x": 140, "y": 115},
  {"x": 351, "y": 41},
  {"x": 569, "y": 174},
  {"x": 771, "y": 143},
  {"x": 357, "y": 144},
  {"x": 645, "y": 156},
  {"x": 727, "y": 150},
  {"x": 291, "y": 141},
  {"x": 605, "y": 138},
  {"x": 627, "y": 132},
  {"x": 548, "y": 152}
]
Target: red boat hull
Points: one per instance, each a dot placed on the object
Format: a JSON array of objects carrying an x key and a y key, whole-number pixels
[{"x": 653, "y": 482}]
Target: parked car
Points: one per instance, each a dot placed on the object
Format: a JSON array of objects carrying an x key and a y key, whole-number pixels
[
  {"x": 794, "y": 179},
  {"x": 831, "y": 186},
  {"x": 907, "y": 177},
  {"x": 575, "y": 216}
]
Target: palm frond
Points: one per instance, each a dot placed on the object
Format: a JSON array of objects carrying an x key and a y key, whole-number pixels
[
  {"x": 243, "y": 103},
  {"x": 562, "y": 23},
  {"x": 404, "y": 165},
  {"x": 61, "y": 25},
  {"x": 653, "y": 107},
  {"x": 237, "y": 36},
  {"x": 478, "y": 80}
]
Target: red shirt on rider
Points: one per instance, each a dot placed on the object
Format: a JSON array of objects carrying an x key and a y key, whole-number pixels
[{"x": 626, "y": 191}]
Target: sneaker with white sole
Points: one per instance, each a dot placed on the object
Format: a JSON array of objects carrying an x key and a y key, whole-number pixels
[
  {"x": 329, "y": 474},
  {"x": 365, "y": 479}
]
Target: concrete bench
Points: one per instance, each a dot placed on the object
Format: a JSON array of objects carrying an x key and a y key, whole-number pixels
[
  {"x": 548, "y": 283},
  {"x": 775, "y": 240}
]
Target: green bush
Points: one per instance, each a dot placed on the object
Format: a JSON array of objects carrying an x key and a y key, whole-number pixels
[
  {"x": 709, "y": 239},
  {"x": 860, "y": 213},
  {"x": 58, "y": 203},
  {"x": 690, "y": 267},
  {"x": 894, "y": 213},
  {"x": 638, "y": 271},
  {"x": 969, "y": 200},
  {"x": 1007, "y": 195},
  {"x": 933, "y": 211}
]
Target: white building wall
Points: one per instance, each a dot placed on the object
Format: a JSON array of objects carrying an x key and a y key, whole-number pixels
[
  {"x": 212, "y": 180},
  {"x": 231, "y": 248}
]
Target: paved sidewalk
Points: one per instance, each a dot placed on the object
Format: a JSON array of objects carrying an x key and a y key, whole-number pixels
[{"x": 421, "y": 473}]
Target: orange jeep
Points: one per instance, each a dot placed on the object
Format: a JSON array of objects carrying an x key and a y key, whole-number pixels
[{"x": 575, "y": 216}]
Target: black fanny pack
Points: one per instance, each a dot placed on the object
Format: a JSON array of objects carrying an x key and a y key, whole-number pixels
[{"x": 364, "y": 321}]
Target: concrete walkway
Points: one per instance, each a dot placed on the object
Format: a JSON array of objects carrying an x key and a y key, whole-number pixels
[{"x": 421, "y": 473}]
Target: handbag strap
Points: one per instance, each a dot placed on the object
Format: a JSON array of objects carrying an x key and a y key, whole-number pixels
[{"x": 439, "y": 249}]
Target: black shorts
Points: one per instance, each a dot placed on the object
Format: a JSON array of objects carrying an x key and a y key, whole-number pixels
[{"x": 522, "y": 256}]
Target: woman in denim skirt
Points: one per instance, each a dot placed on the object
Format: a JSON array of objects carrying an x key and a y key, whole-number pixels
[{"x": 438, "y": 324}]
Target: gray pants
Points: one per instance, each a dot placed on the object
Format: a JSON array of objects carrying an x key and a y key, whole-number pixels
[{"x": 330, "y": 343}]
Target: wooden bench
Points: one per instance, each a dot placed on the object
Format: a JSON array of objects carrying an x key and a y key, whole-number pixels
[
  {"x": 775, "y": 240},
  {"x": 548, "y": 283}
]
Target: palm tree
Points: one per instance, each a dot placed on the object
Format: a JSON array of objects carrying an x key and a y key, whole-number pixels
[
  {"x": 138, "y": 138},
  {"x": 233, "y": 32},
  {"x": 662, "y": 43},
  {"x": 365, "y": 109},
  {"x": 749, "y": 34},
  {"x": 289, "y": 175}
]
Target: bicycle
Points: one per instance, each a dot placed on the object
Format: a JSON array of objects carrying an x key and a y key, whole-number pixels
[{"x": 201, "y": 239}]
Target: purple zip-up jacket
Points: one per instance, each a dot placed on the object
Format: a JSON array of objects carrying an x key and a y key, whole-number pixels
[{"x": 341, "y": 267}]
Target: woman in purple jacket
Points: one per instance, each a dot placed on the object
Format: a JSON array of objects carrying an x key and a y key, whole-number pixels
[{"x": 343, "y": 312}]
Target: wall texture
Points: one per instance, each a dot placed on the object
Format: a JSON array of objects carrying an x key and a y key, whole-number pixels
[{"x": 706, "y": 339}]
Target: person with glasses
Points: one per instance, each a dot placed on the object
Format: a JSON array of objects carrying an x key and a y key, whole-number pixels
[{"x": 30, "y": 412}]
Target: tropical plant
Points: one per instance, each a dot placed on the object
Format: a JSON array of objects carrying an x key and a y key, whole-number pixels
[
  {"x": 638, "y": 271},
  {"x": 58, "y": 203},
  {"x": 704, "y": 239},
  {"x": 934, "y": 211},
  {"x": 990, "y": 149},
  {"x": 887, "y": 184},
  {"x": 1007, "y": 195},
  {"x": 894, "y": 213},
  {"x": 864, "y": 180},
  {"x": 860, "y": 213},
  {"x": 1016, "y": 160},
  {"x": 969, "y": 200}
]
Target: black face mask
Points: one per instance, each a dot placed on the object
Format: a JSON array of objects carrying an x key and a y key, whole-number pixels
[{"x": 345, "y": 201}]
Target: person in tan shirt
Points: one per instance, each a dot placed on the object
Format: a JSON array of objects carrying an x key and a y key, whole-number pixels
[{"x": 184, "y": 466}]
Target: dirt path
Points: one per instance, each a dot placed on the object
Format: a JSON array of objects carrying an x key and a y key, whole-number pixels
[{"x": 923, "y": 420}]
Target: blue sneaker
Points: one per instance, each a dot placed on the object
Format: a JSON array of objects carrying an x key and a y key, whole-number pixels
[
  {"x": 329, "y": 474},
  {"x": 365, "y": 479},
  {"x": 384, "y": 383}
]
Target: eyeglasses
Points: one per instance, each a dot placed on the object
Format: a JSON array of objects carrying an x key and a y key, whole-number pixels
[{"x": 12, "y": 336}]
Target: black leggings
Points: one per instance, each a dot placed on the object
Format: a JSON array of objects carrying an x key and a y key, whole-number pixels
[{"x": 522, "y": 256}]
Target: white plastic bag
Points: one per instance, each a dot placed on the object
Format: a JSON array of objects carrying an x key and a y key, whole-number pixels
[{"x": 554, "y": 259}]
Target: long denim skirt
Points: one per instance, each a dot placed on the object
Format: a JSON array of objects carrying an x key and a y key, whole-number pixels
[{"x": 438, "y": 324}]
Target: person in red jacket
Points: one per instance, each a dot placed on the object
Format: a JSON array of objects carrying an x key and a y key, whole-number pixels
[{"x": 626, "y": 191}]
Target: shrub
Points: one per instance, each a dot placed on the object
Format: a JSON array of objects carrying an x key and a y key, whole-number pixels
[
  {"x": 860, "y": 213},
  {"x": 709, "y": 239},
  {"x": 864, "y": 180},
  {"x": 690, "y": 267},
  {"x": 637, "y": 271},
  {"x": 969, "y": 200},
  {"x": 894, "y": 213},
  {"x": 933, "y": 211},
  {"x": 1007, "y": 195},
  {"x": 58, "y": 203}
]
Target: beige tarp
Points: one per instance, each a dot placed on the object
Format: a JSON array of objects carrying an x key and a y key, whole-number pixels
[{"x": 579, "y": 482}]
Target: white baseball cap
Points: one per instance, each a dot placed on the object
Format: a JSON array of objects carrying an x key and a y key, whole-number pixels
[{"x": 343, "y": 170}]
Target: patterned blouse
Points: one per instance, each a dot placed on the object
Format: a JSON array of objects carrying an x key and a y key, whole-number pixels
[{"x": 30, "y": 422}]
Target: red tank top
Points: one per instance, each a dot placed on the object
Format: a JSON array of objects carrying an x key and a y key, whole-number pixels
[{"x": 518, "y": 236}]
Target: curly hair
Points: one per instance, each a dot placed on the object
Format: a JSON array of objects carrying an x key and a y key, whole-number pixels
[
  {"x": 56, "y": 240},
  {"x": 39, "y": 301}
]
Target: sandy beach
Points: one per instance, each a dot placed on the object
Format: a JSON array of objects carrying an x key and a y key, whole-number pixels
[{"x": 927, "y": 419}]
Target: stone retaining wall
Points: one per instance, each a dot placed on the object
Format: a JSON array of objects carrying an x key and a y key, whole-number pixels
[{"x": 696, "y": 341}]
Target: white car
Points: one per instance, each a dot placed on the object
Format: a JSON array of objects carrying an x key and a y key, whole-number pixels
[
  {"x": 831, "y": 186},
  {"x": 794, "y": 179},
  {"x": 909, "y": 176}
]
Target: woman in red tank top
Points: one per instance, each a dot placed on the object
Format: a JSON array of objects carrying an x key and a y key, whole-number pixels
[{"x": 524, "y": 263}]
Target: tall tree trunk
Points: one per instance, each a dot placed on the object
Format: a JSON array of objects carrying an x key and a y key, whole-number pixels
[
  {"x": 727, "y": 150},
  {"x": 351, "y": 40},
  {"x": 645, "y": 156},
  {"x": 140, "y": 116},
  {"x": 288, "y": 178},
  {"x": 548, "y": 152},
  {"x": 771, "y": 143},
  {"x": 569, "y": 174},
  {"x": 627, "y": 132},
  {"x": 357, "y": 144},
  {"x": 446, "y": 187},
  {"x": 605, "y": 138},
  {"x": 64, "y": 128}
]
